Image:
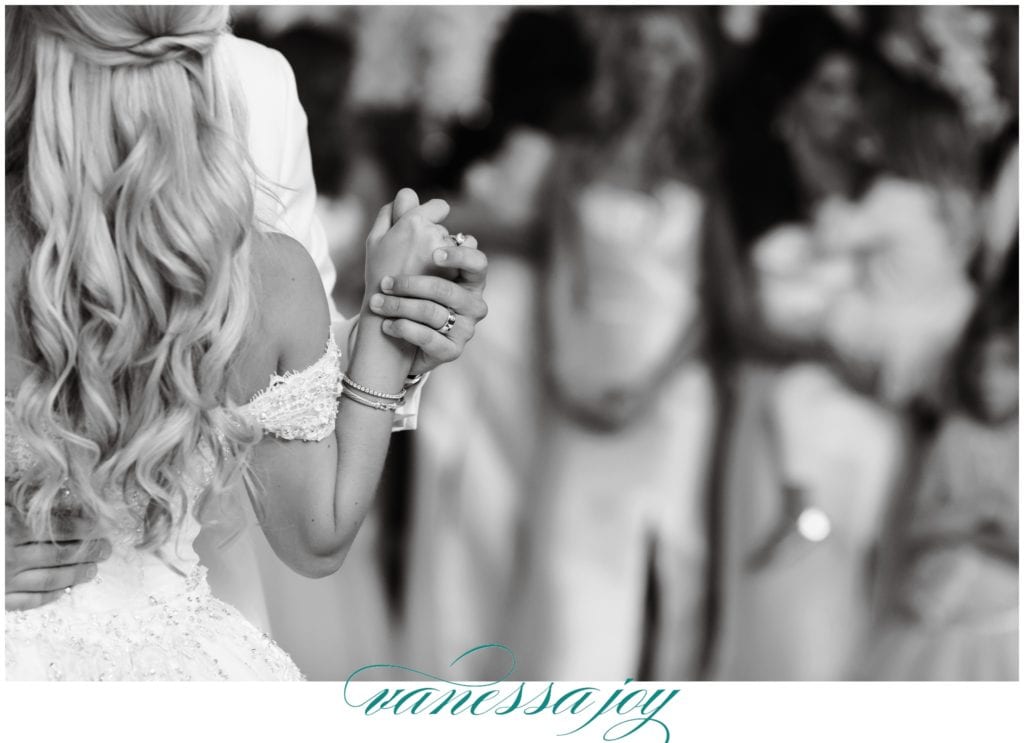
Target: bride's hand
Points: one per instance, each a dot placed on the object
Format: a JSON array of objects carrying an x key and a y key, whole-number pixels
[{"x": 407, "y": 246}]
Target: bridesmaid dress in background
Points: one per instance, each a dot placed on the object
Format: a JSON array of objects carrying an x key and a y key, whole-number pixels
[{"x": 608, "y": 503}]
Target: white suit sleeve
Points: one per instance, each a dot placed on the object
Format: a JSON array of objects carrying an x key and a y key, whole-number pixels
[{"x": 296, "y": 188}]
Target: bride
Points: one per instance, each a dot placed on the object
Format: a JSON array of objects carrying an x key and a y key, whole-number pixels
[{"x": 148, "y": 311}]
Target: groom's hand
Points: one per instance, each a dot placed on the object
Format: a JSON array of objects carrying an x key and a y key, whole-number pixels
[
  {"x": 417, "y": 306},
  {"x": 37, "y": 573}
]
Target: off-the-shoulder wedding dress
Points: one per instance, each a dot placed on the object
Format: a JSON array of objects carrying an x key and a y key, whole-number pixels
[{"x": 149, "y": 615}]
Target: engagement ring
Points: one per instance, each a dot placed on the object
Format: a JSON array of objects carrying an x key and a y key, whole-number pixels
[{"x": 448, "y": 324}]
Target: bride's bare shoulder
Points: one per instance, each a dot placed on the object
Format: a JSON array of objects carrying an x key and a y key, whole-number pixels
[
  {"x": 282, "y": 267},
  {"x": 292, "y": 320}
]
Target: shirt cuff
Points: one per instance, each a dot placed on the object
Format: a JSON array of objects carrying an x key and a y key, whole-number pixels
[{"x": 406, "y": 416}]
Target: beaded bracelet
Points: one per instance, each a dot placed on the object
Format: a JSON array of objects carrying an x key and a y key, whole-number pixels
[
  {"x": 349, "y": 382},
  {"x": 376, "y": 404}
]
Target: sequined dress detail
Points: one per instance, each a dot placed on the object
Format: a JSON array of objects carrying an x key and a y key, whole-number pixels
[{"x": 150, "y": 615}]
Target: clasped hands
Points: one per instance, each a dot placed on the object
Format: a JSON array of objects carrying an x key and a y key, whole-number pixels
[{"x": 428, "y": 288}]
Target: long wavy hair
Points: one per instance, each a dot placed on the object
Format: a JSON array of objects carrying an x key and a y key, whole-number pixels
[
  {"x": 680, "y": 144},
  {"x": 131, "y": 179},
  {"x": 675, "y": 145}
]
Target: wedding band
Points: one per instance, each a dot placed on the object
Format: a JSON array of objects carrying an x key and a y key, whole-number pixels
[
  {"x": 459, "y": 238},
  {"x": 448, "y": 324}
]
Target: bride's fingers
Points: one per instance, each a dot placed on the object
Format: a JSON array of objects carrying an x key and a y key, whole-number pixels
[
  {"x": 431, "y": 342},
  {"x": 434, "y": 288},
  {"x": 381, "y": 224},
  {"x": 434, "y": 210},
  {"x": 405, "y": 200}
]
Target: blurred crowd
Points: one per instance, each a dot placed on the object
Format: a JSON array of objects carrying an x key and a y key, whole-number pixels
[{"x": 745, "y": 404}]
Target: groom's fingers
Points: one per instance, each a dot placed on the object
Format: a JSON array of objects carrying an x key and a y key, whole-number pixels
[
  {"x": 23, "y": 601},
  {"x": 434, "y": 288},
  {"x": 405, "y": 201},
  {"x": 51, "y": 555},
  {"x": 44, "y": 580},
  {"x": 431, "y": 342},
  {"x": 69, "y": 524}
]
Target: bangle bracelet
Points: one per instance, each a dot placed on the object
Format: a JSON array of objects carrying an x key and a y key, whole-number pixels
[
  {"x": 376, "y": 404},
  {"x": 346, "y": 380},
  {"x": 412, "y": 381}
]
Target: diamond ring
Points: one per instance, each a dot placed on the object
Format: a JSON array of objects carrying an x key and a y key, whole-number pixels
[{"x": 448, "y": 324}]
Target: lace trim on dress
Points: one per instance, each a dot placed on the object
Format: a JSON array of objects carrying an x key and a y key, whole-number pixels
[{"x": 301, "y": 404}]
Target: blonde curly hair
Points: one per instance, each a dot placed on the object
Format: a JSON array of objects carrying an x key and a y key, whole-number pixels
[{"x": 132, "y": 183}]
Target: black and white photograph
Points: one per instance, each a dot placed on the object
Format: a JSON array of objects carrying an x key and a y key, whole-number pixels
[{"x": 557, "y": 344}]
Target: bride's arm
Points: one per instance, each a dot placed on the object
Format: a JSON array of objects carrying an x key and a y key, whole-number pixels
[{"x": 315, "y": 495}]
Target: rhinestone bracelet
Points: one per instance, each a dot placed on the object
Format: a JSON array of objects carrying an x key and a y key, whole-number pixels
[
  {"x": 348, "y": 382},
  {"x": 376, "y": 404}
]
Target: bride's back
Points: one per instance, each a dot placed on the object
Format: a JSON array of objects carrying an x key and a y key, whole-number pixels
[{"x": 130, "y": 269}]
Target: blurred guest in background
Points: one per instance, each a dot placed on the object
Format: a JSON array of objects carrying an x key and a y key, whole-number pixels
[
  {"x": 810, "y": 460},
  {"x": 474, "y": 468},
  {"x": 1001, "y": 161},
  {"x": 871, "y": 292},
  {"x": 910, "y": 238},
  {"x": 954, "y": 613},
  {"x": 619, "y": 504}
]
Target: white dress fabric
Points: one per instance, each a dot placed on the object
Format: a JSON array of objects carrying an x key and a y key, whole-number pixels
[
  {"x": 474, "y": 470},
  {"x": 913, "y": 296},
  {"x": 882, "y": 281},
  {"x": 953, "y": 615},
  {"x": 799, "y": 612},
  {"x": 476, "y": 457},
  {"x": 149, "y": 615},
  {"x": 608, "y": 502}
]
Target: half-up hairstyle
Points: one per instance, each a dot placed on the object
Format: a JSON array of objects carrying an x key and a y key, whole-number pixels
[{"x": 126, "y": 143}]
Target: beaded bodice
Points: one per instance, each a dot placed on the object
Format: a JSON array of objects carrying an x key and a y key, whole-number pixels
[{"x": 298, "y": 405}]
